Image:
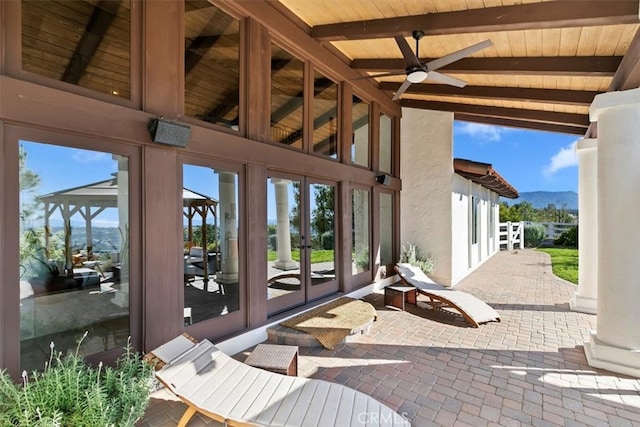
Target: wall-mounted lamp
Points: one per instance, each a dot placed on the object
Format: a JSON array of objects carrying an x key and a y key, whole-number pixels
[
  {"x": 383, "y": 179},
  {"x": 171, "y": 133}
]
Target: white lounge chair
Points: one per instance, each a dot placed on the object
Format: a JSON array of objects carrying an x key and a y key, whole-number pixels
[
  {"x": 228, "y": 391},
  {"x": 474, "y": 310}
]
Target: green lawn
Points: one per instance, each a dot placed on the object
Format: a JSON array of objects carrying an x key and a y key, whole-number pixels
[
  {"x": 564, "y": 262},
  {"x": 316, "y": 255}
]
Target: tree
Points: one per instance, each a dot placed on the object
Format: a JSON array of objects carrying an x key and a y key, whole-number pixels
[
  {"x": 323, "y": 216},
  {"x": 28, "y": 182}
]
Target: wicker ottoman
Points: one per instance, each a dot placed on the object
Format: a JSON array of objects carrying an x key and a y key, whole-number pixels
[{"x": 281, "y": 359}]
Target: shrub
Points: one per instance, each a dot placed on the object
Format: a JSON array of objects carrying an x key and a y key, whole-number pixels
[
  {"x": 70, "y": 393},
  {"x": 327, "y": 240},
  {"x": 411, "y": 254},
  {"x": 569, "y": 238},
  {"x": 533, "y": 235}
]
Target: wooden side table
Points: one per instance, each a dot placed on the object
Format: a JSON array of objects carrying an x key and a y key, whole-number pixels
[
  {"x": 282, "y": 359},
  {"x": 397, "y": 296}
]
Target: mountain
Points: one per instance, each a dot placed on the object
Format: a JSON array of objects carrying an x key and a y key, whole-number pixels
[{"x": 542, "y": 199}]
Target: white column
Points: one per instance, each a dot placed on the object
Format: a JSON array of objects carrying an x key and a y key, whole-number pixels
[
  {"x": 228, "y": 229},
  {"x": 284, "y": 261},
  {"x": 121, "y": 297},
  {"x": 586, "y": 297},
  {"x": 615, "y": 345}
]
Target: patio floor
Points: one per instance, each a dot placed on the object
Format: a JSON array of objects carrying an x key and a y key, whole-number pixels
[{"x": 529, "y": 369}]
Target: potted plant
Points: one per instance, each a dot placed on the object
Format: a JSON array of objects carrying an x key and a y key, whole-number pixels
[{"x": 70, "y": 393}]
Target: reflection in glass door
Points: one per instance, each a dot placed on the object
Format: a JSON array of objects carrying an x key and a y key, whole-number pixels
[
  {"x": 284, "y": 280},
  {"x": 321, "y": 246},
  {"x": 74, "y": 251},
  {"x": 301, "y": 255}
]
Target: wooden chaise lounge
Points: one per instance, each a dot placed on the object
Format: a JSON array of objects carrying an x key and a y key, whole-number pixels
[
  {"x": 474, "y": 310},
  {"x": 229, "y": 391}
]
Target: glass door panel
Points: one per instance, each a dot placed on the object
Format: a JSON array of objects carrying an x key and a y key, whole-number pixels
[
  {"x": 284, "y": 275},
  {"x": 74, "y": 251},
  {"x": 301, "y": 256},
  {"x": 322, "y": 243}
]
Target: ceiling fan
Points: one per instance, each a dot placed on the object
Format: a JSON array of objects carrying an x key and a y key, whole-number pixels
[{"x": 418, "y": 72}]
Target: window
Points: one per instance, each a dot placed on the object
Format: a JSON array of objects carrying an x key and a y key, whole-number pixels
[
  {"x": 210, "y": 230},
  {"x": 474, "y": 220},
  {"x": 386, "y": 229},
  {"x": 360, "y": 139},
  {"x": 74, "y": 251},
  {"x": 360, "y": 223},
  {"x": 492, "y": 219},
  {"x": 212, "y": 65},
  {"x": 85, "y": 43},
  {"x": 325, "y": 116},
  {"x": 287, "y": 96},
  {"x": 386, "y": 134}
]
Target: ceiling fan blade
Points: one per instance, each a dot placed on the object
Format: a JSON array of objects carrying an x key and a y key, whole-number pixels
[
  {"x": 404, "y": 86},
  {"x": 453, "y": 57},
  {"x": 409, "y": 56},
  {"x": 443, "y": 78},
  {"x": 390, "y": 73}
]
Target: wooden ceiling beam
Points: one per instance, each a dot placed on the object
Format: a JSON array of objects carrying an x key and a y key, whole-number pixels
[
  {"x": 628, "y": 73},
  {"x": 520, "y": 124},
  {"x": 569, "y": 119},
  {"x": 596, "y": 66},
  {"x": 103, "y": 14},
  {"x": 531, "y": 16},
  {"x": 565, "y": 97},
  {"x": 207, "y": 38}
]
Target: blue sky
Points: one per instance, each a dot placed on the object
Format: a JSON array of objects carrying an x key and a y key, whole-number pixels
[{"x": 528, "y": 160}]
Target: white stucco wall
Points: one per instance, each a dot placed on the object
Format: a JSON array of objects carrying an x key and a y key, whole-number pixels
[
  {"x": 436, "y": 202},
  {"x": 465, "y": 256},
  {"x": 427, "y": 175},
  {"x": 460, "y": 210}
]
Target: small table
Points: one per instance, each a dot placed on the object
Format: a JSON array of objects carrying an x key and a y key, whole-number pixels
[
  {"x": 396, "y": 296},
  {"x": 282, "y": 359}
]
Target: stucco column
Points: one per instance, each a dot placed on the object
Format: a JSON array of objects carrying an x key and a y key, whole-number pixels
[
  {"x": 121, "y": 297},
  {"x": 228, "y": 229},
  {"x": 615, "y": 345},
  {"x": 586, "y": 297},
  {"x": 284, "y": 261}
]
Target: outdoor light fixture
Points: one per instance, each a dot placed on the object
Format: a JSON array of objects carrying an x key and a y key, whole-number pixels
[
  {"x": 383, "y": 179},
  {"x": 171, "y": 133}
]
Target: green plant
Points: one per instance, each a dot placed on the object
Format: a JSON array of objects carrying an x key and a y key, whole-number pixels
[
  {"x": 533, "y": 235},
  {"x": 70, "y": 393},
  {"x": 411, "y": 254},
  {"x": 569, "y": 238}
]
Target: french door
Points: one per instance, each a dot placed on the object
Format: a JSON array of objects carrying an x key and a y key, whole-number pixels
[{"x": 301, "y": 241}]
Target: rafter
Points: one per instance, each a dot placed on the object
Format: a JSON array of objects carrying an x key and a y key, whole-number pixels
[
  {"x": 554, "y": 14},
  {"x": 200, "y": 45},
  {"x": 103, "y": 14},
  {"x": 600, "y": 66},
  {"x": 568, "y": 119},
  {"x": 554, "y": 96},
  {"x": 520, "y": 124}
]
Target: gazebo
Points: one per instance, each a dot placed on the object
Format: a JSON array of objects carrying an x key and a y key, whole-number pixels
[{"x": 92, "y": 199}]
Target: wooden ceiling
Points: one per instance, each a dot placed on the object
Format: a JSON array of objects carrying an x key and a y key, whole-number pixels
[{"x": 548, "y": 60}]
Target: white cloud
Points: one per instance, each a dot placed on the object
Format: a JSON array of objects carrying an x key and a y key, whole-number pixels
[
  {"x": 565, "y": 158},
  {"x": 481, "y": 132},
  {"x": 85, "y": 156}
]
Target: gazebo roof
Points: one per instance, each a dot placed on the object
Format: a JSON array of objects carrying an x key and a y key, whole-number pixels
[{"x": 105, "y": 194}]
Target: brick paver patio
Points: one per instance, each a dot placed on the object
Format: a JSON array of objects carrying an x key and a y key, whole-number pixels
[{"x": 529, "y": 369}]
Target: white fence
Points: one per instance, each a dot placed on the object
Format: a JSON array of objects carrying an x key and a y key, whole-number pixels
[
  {"x": 511, "y": 235},
  {"x": 553, "y": 230}
]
